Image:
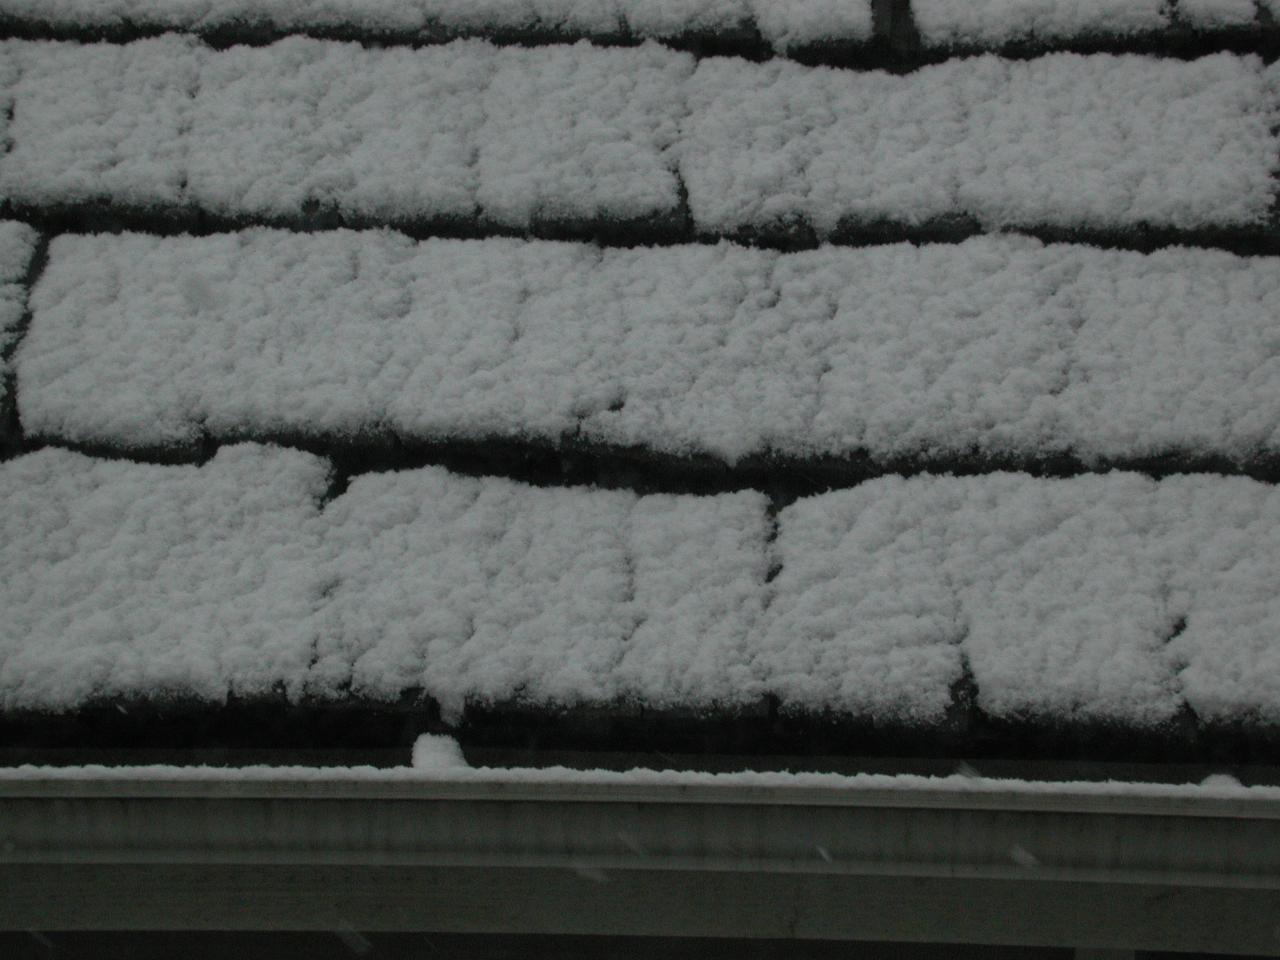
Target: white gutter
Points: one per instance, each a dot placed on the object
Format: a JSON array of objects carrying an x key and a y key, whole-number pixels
[{"x": 1078, "y": 866}]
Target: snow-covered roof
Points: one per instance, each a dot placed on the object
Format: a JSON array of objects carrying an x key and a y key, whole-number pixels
[{"x": 905, "y": 395}]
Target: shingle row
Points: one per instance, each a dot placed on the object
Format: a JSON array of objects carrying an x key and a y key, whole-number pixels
[
  {"x": 984, "y": 24},
  {"x": 996, "y": 346},
  {"x": 1098, "y": 598},
  {"x": 512, "y": 138},
  {"x": 783, "y": 23}
]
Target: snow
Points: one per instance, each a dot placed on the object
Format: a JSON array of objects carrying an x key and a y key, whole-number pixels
[
  {"x": 1094, "y": 141},
  {"x": 508, "y": 134},
  {"x": 121, "y": 578},
  {"x": 1099, "y": 598},
  {"x": 575, "y": 133},
  {"x": 99, "y": 121},
  {"x": 1223, "y": 586},
  {"x": 17, "y": 244},
  {"x": 482, "y": 588},
  {"x": 670, "y": 18},
  {"x": 861, "y": 615},
  {"x": 436, "y": 753},
  {"x": 303, "y": 121},
  {"x": 783, "y": 22},
  {"x": 1109, "y": 597},
  {"x": 699, "y": 566},
  {"x": 992, "y": 22},
  {"x": 129, "y": 579},
  {"x": 888, "y": 789},
  {"x": 796, "y": 23},
  {"x": 1001, "y": 345},
  {"x": 1207, "y": 14},
  {"x": 553, "y": 595},
  {"x": 1062, "y": 591},
  {"x": 515, "y": 136}
]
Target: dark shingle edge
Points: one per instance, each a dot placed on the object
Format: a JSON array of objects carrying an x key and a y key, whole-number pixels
[
  {"x": 106, "y": 216},
  {"x": 895, "y": 44},
  {"x": 623, "y": 735},
  {"x": 575, "y": 462},
  {"x": 11, "y": 439}
]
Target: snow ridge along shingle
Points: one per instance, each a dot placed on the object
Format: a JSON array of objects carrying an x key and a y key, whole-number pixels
[
  {"x": 576, "y": 138},
  {"x": 1105, "y": 598},
  {"x": 996, "y": 347},
  {"x": 754, "y": 26}
]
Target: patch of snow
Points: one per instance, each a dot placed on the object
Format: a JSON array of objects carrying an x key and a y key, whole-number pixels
[
  {"x": 989, "y": 23},
  {"x": 671, "y": 18},
  {"x": 476, "y": 588},
  {"x": 437, "y": 754},
  {"x": 1061, "y": 590},
  {"x": 698, "y": 571},
  {"x": 577, "y": 133},
  {"x": 515, "y": 135},
  {"x": 99, "y": 121},
  {"x": 510, "y": 133},
  {"x": 862, "y": 617},
  {"x": 783, "y": 22},
  {"x": 17, "y": 244},
  {"x": 1106, "y": 597},
  {"x": 1001, "y": 345},
  {"x": 1223, "y": 583},
  {"x": 489, "y": 589},
  {"x": 1068, "y": 140},
  {"x": 192, "y": 14},
  {"x": 1208, "y": 14},
  {"x": 797, "y": 23},
  {"x": 957, "y": 786},
  {"x": 126, "y": 579},
  {"x": 278, "y": 128}
]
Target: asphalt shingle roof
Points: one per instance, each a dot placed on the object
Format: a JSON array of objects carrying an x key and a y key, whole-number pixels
[{"x": 482, "y": 362}]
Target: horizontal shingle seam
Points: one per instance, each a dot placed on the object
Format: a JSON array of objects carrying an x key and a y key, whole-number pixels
[
  {"x": 584, "y": 464},
  {"x": 878, "y": 53},
  {"x": 184, "y": 220}
]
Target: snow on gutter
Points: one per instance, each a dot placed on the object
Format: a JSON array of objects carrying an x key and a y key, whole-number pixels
[{"x": 957, "y": 859}]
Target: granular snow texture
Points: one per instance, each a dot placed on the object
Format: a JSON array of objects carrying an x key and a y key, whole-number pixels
[
  {"x": 1003, "y": 346},
  {"x": 507, "y": 134},
  {"x": 128, "y": 579},
  {"x": 1100, "y": 598},
  {"x": 1064, "y": 140},
  {"x": 492, "y": 589},
  {"x": 510, "y": 137},
  {"x": 98, "y": 122},
  {"x": 989, "y": 23},
  {"x": 1210, "y": 14},
  {"x": 17, "y": 244},
  {"x": 1111, "y": 598},
  {"x": 121, "y": 578},
  {"x": 784, "y": 23}
]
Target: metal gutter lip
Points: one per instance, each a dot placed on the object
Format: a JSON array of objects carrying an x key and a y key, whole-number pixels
[
  {"x": 955, "y": 793},
  {"x": 1195, "y": 868}
]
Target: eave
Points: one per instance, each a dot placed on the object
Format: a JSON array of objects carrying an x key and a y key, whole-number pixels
[{"x": 1071, "y": 865}]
